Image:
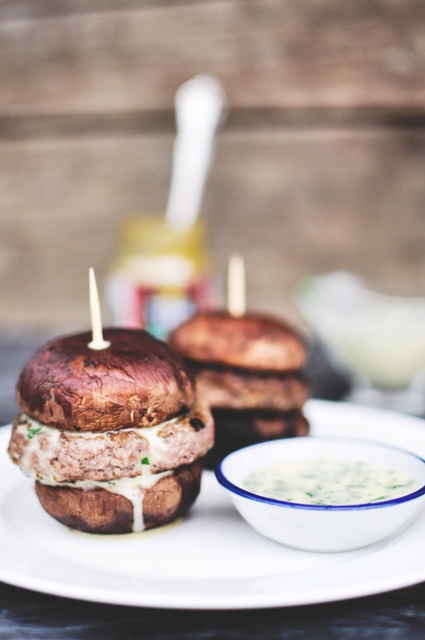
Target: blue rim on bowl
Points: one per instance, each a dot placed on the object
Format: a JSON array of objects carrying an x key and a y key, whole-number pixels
[{"x": 244, "y": 493}]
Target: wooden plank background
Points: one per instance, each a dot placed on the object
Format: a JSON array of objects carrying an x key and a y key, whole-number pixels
[
  {"x": 268, "y": 53},
  {"x": 320, "y": 166}
]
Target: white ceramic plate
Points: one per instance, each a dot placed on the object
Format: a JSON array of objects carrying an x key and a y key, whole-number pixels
[{"x": 212, "y": 559}]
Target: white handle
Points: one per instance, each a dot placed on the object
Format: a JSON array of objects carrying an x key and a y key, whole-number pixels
[
  {"x": 199, "y": 105},
  {"x": 236, "y": 304}
]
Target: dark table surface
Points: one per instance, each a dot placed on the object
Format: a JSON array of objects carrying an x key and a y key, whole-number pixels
[{"x": 399, "y": 615}]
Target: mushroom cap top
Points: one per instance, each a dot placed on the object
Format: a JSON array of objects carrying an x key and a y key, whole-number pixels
[
  {"x": 255, "y": 342},
  {"x": 138, "y": 381}
]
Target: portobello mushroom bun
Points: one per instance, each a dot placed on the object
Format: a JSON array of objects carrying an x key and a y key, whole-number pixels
[
  {"x": 249, "y": 371},
  {"x": 112, "y": 437}
]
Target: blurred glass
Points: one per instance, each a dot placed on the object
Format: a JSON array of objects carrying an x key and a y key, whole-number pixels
[{"x": 379, "y": 340}]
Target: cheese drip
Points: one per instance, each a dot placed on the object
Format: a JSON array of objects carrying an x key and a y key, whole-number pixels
[{"x": 131, "y": 488}]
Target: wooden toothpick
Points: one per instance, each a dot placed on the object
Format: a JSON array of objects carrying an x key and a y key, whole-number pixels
[
  {"x": 97, "y": 342},
  {"x": 236, "y": 286}
]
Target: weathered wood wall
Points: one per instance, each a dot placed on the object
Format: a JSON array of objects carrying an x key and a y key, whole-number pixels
[{"x": 321, "y": 164}]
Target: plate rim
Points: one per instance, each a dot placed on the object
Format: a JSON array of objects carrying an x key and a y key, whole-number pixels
[{"x": 267, "y": 599}]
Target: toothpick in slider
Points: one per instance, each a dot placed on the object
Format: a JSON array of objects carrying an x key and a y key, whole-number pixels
[
  {"x": 98, "y": 342},
  {"x": 236, "y": 286}
]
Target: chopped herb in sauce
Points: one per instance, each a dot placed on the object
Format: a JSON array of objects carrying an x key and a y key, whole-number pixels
[
  {"x": 145, "y": 461},
  {"x": 330, "y": 482},
  {"x": 33, "y": 431}
]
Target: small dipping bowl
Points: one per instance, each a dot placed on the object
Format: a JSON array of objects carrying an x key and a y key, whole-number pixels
[{"x": 323, "y": 527}]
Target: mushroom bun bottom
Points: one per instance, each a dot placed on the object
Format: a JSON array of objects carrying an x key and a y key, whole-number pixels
[
  {"x": 237, "y": 429},
  {"x": 111, "y": 509}
]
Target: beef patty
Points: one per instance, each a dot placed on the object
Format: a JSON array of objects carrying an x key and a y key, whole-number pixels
[{"x": 51, "y": 456}]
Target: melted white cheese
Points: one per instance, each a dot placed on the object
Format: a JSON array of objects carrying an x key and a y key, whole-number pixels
[
  {"x": 44, "y": 448},
  {"x": 131, "y": 488}
]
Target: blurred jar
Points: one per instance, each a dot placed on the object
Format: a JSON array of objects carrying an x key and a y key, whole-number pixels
[{"x": 159, "y": 277}]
